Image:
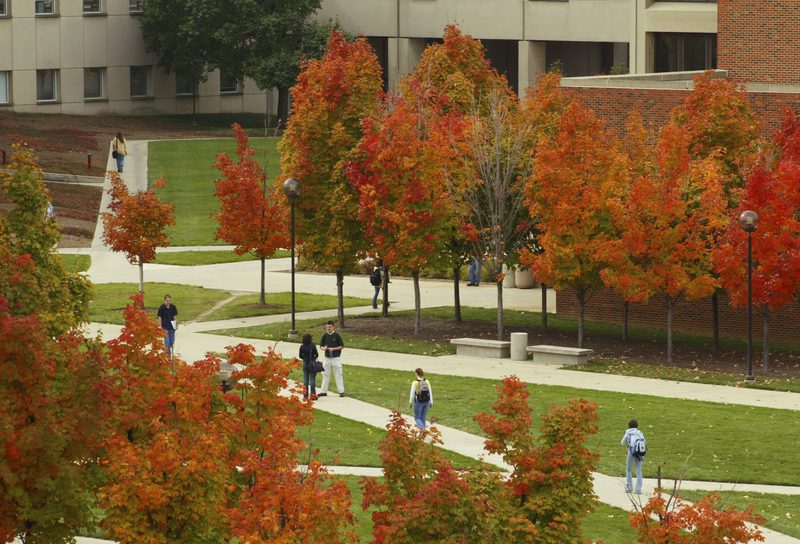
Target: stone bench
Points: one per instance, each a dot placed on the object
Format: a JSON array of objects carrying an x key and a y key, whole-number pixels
[
  {"x": 559, "y": 355},
  {"x": 480, "y": 347}
]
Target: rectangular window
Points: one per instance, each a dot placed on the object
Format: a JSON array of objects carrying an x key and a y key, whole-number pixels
[
  {"x": 183, "y": 84},
  {"x": 45, "y": 7},
  {"x": 46, "y": 85},
  {"x": 136, "y": 6},
  {"x": 3, "y": 8},
  {"x": 228, "y": 84},
  {"x": 140, "y": 81},
  {"x": 679, "y": 52},
  {"x": 94, "y": 83},
  {"x": 5, "y": 87},
  {"x": 91, "y": 6}
]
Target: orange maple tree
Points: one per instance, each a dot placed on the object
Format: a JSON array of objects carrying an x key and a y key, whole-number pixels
[
  {"x": 253, "y": 216},
  {"x": 771, "y": 190},
  {"x": 137, "y": 223},
  {"x": 331, "y": 97},
  {"x": 667, "y": 223},
  {"x": 581, "y": 166}
]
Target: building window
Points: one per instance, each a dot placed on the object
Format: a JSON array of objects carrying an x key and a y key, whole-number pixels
[
  {"x": 45, "y": 7},
  {"x": 183, "y": 84},
  {"x": 676, "y": 52},
  {"x": 3, "y": 8},
  {"x": 140, "y": 81},
  {"x": 136, "y": 6},
  {"x": 5, "y": 87},
  {"x": 94, "y": 83},
  {"x": 46, "y": 85},
  {"x": 92, "y": 6},
  {"x": 228, "y": 84}
]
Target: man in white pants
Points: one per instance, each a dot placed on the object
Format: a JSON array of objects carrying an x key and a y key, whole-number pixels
[{"x": 332, "y": 344}]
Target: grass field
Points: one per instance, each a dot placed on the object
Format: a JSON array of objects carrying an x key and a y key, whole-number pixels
[
  {"x": 187, "y": 167},
  {"x": 198, "y": 258},
  {"x": 281, "y": 303},
  {"x": 111, "y": 298},
  {"x": 76, "y": 263}
]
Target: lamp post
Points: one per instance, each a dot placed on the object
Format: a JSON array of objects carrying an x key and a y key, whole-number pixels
[
  {"x": 749, "y": 222},
  {"x": 291, "y": 188}
]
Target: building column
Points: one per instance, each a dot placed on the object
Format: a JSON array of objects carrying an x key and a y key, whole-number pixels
[
  {"x": 404, "y": 54},
  {"x": 532, "y": 61}
]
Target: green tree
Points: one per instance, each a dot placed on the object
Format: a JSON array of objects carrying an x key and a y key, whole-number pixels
[{"x": 60, "y": 299}]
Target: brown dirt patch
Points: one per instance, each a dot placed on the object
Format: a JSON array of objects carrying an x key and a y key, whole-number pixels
[{"x": 782, "y": 365}]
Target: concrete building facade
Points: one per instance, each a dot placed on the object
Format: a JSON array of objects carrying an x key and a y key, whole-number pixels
[{"x": 88, "y": 57}]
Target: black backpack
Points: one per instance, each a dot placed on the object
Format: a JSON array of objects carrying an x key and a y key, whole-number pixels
[
  {"x": 423, "y": 391},
  {"x": 375, "y": 278}
]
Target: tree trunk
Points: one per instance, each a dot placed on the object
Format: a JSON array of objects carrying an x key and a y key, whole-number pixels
[
  {"x": 581, "y": 294},
  {"x": 141, "y": 280},
  {"x": 340, "y": 295},
  {"x": 499, "y": 309},
  {"x": 283, "y": 105},
  {"x": 417, "y": 310},
  {"x": 715, "y": 319},
  {"x": 625, "y": 321},
  {"x": 670, "y": 307},
  {"x": 385, "y": 306},
  {"x": 766, "y": 339},
  {"x": 261, "y": 299},
  {"x": 544, "y": 307},
  {"x": 456, "y": 292}
]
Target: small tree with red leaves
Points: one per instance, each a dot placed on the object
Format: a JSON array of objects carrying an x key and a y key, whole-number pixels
[{"x": 137, "y": 223}]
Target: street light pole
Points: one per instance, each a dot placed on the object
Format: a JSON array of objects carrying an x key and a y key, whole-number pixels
[
  {"x": 291, "y": 188},
  {"x": 748, "y": 221}
]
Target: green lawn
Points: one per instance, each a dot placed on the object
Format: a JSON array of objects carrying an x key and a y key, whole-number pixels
[
  {"x": 196, "y": 258},
  {"x": 76, "y": 263},
  {"x": 781, "y": 512},
  {"x": 281, "y": 303},
  {"x": 187, "y": 167},
  {"x": 111, "y": 298},
  {"x": 690, "y": 439}
]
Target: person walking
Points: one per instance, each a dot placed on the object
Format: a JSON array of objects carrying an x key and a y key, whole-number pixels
[
  {"x": 630, "y": 439},
  {"x": 376, "y": 279},
  {"x": 474, "y": 272},
  {"x": 420, "y": 398},
  {"x": 168, "y": 313},
  {"x": 309, "y": 354},
  {"x": 119, "y": 150},
  {"x": 332, "y": 344}
]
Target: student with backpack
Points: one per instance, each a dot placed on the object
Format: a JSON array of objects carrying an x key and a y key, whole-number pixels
[
  {"x": 637, "y": 447},
  {"x": 376, "y": 279},
  {"x": 420, "y": 398}
]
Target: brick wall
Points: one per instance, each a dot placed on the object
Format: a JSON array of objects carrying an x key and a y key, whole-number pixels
[
  {"x": 757, "y": 40},
  {"x": 694, "y": 316}
]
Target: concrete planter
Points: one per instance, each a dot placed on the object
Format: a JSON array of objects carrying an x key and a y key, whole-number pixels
[
  {"x": 509, "y": 278},
  {"x": 523, "y": 278}
]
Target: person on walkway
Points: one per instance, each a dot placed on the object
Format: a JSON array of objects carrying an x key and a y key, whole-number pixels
[
  {"x": 376, "y": 279},
  {"x": 420, "y": 398},
  {"x": 332, "y": 344},
  {"x": 309, "y": 354},
  {"x": 474, "y": 272},
  {"x": 628, "y": 439},
  {"x": 118, "y": 150},
  {"x": 168, "y": 313}
]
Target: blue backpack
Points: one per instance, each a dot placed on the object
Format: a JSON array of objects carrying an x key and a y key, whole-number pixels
[{"x": 638, "y": 445}]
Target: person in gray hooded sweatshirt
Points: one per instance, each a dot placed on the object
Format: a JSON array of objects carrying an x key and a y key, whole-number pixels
[{"x": 628, "y": 440}]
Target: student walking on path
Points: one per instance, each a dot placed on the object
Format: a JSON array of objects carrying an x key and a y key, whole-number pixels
[
  {"x": 118, "y": 150},
  {"x": 332, "y": 344},
  {"x": 168, "y": 313},
  {"x": 376, "y": 279},
  {"x": 420, "y": 398},
  {"x": 309, "y": 355},
  {"x": 634, "y": 440}
]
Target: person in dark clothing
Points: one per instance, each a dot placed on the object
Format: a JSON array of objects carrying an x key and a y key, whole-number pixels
[
  {"x": 376, "y": 279},
  {"x": 309, "y": 354},
  {"x": 168, "y": 313},
  {"x": 332, "y": 344}
]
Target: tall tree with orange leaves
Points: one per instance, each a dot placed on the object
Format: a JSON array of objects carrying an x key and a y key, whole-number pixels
[
  {"x": 253, "y": 214},
  {"x": 331, "y": 98},
  {"x": 137, "y": 223},
  {"x": 581, "y": 166}
]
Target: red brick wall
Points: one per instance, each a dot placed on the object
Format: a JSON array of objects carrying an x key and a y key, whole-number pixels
[
  {"x": 757, "y": 40},
  {"x": 694, "y": 316}
]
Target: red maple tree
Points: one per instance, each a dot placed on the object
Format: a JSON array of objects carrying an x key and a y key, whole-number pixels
[
  {"x": 253, "y": 215},
  {"x": 137, "y": 223}
]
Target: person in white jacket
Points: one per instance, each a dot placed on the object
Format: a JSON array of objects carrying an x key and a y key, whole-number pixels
[
  {"x": 420, "y": 398},
  {"x": 628, "y": 439}
]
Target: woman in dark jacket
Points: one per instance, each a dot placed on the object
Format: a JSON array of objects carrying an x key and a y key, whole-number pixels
[{"x": 308, "y": 354}]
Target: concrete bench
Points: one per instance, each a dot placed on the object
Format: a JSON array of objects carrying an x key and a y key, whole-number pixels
[
  {"x": 480, "y": 347},
  {"x": 559, "y": 355}
]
